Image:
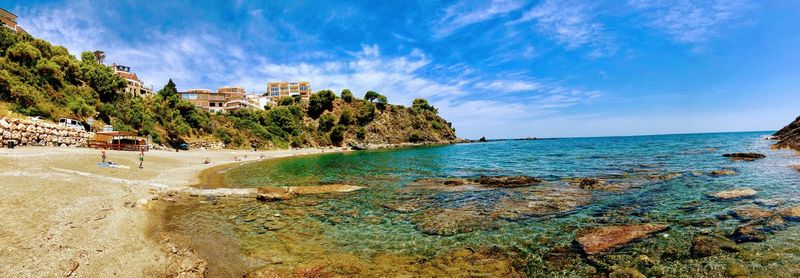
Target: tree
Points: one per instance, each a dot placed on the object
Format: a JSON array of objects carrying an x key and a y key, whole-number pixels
[
  {"x": 382, "y": 102},
  {"x": 347, "y": 96},
  {"x": 371, "y": 96},
  {"x": 320, "y": 102},
  {"x": 169, "y": 90},
  {"x": 422, "y": 104}
]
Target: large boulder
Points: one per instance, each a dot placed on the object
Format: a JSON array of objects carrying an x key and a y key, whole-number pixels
[{"x": 596, "y": 240}]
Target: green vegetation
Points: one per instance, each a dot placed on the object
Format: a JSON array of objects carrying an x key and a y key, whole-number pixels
[{"x": 39, "y": 79}]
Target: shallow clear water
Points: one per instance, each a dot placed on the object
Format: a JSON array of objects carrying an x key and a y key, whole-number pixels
[{"x": 322, "y": 230}]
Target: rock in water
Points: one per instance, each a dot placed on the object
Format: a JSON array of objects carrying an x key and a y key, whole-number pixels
[
  {"x": 273, "y": 194},
  {"x": 790, "y": 213},
  {"x": 600, "y": 239},
  {"x": 448, "y": 222},
  {"x": 789, "y": 136},
  {"x": 750, "y": 213},
  {"x": 748, "y": 233},
  {"x": 717, "y": 173},
  {"x": 744, "y": 156},
  {"x": 507, "y": 182},
  {"x": 733, "y": 194},
  {"x": 708, "y": 245}
]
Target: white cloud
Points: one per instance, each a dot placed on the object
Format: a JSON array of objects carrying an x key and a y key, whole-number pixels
[
  {"x": 692, "y": 21},
  {"x": 467, "y": 13},
  {"x": 568, "y": 23},
  {"x": 508, "y": 85}
]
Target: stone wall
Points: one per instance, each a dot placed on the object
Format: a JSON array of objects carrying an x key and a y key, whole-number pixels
[{"x": 28, "y": 133}]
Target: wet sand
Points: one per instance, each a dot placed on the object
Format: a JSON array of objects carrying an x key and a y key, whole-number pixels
[{"x": 65, "y": 216}]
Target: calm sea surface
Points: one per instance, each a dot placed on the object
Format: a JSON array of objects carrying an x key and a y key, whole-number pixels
[{"x": 364, "y": 233}]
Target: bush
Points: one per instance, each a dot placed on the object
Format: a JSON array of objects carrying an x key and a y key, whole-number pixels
[
  {"x": 346, "y": 117},
  {"x": 347, "y": 96},
  {"x": 382, "y": 102},
  {"x": 326, "y": 122},
  {"x": 361, "y": 133},
  {"x": 337, "y": 135},
  {"x": 320, "y": 102},
  {"x": 366, "y": 113},
  {"x": 421, "y": 104}
]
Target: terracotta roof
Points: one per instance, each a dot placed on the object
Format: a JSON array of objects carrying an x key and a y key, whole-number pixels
[{"x": 128, "y": 75}]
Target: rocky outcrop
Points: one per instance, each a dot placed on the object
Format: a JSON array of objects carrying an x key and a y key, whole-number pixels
[
  {"x": 27, "y": 133},
  {"x": 507, "y": 181},
  {"x": 788, "y": 136},
  {"x": 744, "y": 156},
  {"x": 710, "y": 245},
  {"x": 723, "y": 172},
  {"x": 600, "y": 239}
]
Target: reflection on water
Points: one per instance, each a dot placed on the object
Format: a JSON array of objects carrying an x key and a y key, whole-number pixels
[{"x": 397, "y": 226}]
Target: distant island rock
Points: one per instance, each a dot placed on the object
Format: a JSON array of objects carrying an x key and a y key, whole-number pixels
[{"x": 788, "y": 136}]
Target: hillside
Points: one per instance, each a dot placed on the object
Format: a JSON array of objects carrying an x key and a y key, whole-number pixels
[
  {"x": 40, "y": 79},
  {"x": 789, "y": 136}
]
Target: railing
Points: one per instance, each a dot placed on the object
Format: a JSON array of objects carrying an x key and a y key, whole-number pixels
[{"x": 118, "y": 147}]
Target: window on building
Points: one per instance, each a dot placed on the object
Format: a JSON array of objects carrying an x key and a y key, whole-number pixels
[
  {"x": 303, "y": 88},
  {"x": 213, "y": 104}
]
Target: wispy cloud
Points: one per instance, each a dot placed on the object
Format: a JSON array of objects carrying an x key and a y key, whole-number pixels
[
  {"x": 508, "y": 85},
  {"x": 467, "y": 13},
  {"x": 569, "y": 23},
  {"x": 692, "y": 21}
]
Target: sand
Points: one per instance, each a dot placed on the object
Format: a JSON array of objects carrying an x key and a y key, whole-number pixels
[{"x": 64, "y": 216}]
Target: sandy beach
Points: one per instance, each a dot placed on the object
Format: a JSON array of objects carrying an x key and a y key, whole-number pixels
[{"x": 64, "y": 216}]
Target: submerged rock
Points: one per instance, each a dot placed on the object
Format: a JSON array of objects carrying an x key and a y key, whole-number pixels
[
  {"x": 588, "y": 183},
  {"x": 709, "y": 245},
  {"x": 323, "y": 189},
  {"x": 626, "y": 272},
  {"x": 507, "y": 181},
  {"x": 790, "y": 213},
  {"x": 540, "y": 201},
  {"x": 273, "y": 194},
  {"x": 723, "y": 172},
  {"x": 744, "y": 156},
  {"x": 600, "y": 239},
  {"x": 448, "y": 222},
  {"x": 748, "y": 233},
  {"x": 750, "y": 213},
  {"x": 733, "y": 194}
]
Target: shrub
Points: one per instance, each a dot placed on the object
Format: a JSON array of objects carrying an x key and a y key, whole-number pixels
[
  {"x": 422, "y": 105},
  {"x": 337, "y": 135},
  {"x": 347, "y": 96},
  {"x": 346, "y": 117},
  {"x": 382, "y": 102},
  {"x": 361, "y": 133},
  {"x": 366, "y": 113},
  {"x": 326, "y": 122}
]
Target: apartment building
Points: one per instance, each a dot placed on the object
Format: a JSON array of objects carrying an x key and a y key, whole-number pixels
[
  {"x": 135, "y": 86},
  {"x": 276, "y": 90},
  {"x": 9, "y": 21},
  {"x": 225, "y": 98}
]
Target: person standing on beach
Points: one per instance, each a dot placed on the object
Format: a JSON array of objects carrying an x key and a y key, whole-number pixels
[
  {"x": 141, "y": 160},
  {"x": 103, "y": 155}
]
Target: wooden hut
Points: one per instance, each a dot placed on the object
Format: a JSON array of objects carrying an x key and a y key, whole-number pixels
[{"x": 119, "y": 140}]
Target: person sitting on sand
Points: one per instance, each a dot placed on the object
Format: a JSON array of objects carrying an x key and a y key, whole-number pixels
[{"x": 207, "y": 161}]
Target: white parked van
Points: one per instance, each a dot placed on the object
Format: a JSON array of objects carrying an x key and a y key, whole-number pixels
[{"x": 70, "y": 123}]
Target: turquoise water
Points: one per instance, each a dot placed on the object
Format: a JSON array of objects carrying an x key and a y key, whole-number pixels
[{"x": 367, "y": 227}]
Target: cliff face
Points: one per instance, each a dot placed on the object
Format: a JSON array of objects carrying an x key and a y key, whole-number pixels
[{"x": 789, "y": 136}]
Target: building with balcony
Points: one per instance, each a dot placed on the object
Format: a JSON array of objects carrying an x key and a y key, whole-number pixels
[
  {"x": 9, "y": 21},
  {"x": 276, "y": 90},
  {"x": 225, "y": 98},
  {"x": 135, "y": 86}
]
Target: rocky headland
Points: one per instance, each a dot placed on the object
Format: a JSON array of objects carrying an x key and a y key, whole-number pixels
[{"x": 788, "y": 136}]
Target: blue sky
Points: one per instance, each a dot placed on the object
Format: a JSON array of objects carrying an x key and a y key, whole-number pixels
[{"x": 494, "y": 68}]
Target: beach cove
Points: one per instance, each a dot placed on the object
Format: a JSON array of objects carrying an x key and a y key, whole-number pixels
[{"x": 65, "y": 216}]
